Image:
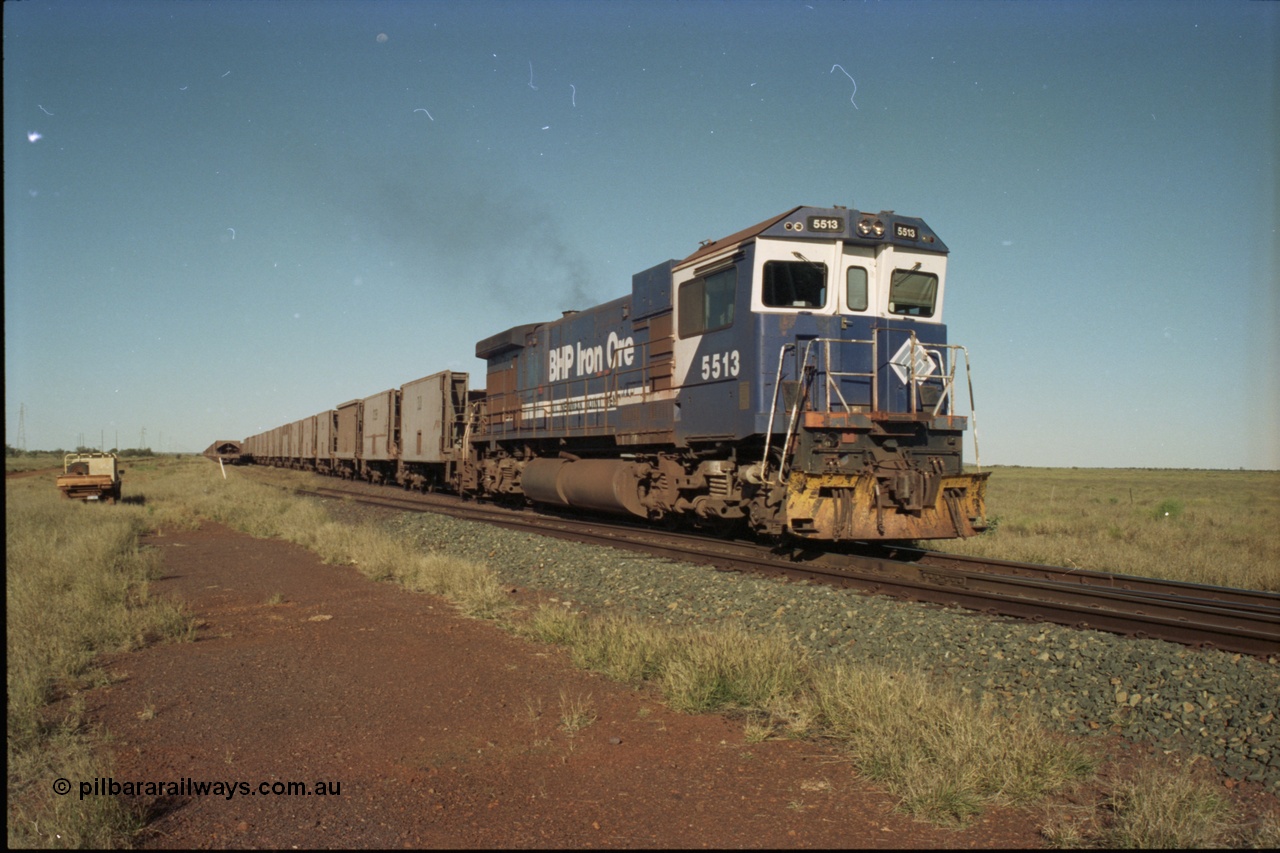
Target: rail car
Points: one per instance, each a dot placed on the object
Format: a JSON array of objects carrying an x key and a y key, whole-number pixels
[
  {"x": 793, "y": 378},
  {"x": 227, "y": 451}
]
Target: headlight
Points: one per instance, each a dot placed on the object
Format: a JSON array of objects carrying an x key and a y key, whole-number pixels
[{"x": 870, "y": 228}]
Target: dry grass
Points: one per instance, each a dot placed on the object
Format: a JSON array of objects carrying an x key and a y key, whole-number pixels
[
  {"x": 697, "y": 669},
  {"x": 33, "y": 462},
  {"x": 1157, "y": 809},
  {"x": 249, "y": 502},
  {"x": 620, "y": 646},
  {"x": 576, "y": 713},
  {"x": 943, "y": 755},
  {"x": 1214, "y": 527},
  {"x": 76, "y": 584},
  {"x": 728, "y": 667}
]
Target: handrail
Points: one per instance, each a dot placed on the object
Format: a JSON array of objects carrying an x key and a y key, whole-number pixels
[
  {"x": 941, "y": 355},
  {"x": 574, "y": 400},
  {"x": 802, "y": 386},
  {"x": 773, "y": 408},
  {"x": 973, "y": 408},
  {"x": 816, "y": 360}
]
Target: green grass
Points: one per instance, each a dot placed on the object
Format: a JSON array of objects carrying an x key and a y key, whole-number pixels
[{"x": 1212, "y": 527}]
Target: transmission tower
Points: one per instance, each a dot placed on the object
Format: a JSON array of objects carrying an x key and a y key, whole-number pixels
[{"x": 22, "y": 427}]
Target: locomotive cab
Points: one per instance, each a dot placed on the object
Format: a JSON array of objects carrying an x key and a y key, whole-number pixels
[{"x": 850, "y": 383}]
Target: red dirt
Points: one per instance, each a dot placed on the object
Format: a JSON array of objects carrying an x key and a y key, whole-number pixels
[
  {"x": 444, "y": 731},
  {"x": 35, "y": 472}
]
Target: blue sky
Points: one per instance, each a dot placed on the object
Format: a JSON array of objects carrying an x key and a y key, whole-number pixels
[{"x": 236, "y": 214}]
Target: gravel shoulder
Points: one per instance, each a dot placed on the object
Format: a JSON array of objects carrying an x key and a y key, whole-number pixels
[{"x": 1219, "y": 706}]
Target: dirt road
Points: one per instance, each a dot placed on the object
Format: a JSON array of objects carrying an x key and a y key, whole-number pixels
[{"x": 428, "y": 729}]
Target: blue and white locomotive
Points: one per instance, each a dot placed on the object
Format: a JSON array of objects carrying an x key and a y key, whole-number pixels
[{"x": 794, "y": 378}]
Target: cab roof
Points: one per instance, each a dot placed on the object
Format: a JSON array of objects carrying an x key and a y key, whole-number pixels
[{"x": 841, "y": 224}]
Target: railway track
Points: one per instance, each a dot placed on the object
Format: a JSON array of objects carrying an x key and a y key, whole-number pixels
[{"x": 1233, "y": 620}]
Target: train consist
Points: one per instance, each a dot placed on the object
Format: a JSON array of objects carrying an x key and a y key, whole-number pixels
[{"x": 793, "y": 378}]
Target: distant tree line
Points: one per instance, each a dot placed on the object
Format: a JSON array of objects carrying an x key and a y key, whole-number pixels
[{"x": 11, "y": 452}]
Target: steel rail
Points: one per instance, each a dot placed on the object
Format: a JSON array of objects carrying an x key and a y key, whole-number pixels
[
  {"x": 1247, "y": 598},
  {"x": 1243, "y": 621}
]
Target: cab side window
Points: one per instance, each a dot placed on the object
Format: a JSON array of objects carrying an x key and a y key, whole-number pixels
[
  {"x": 913, "y": 293},
  {"x": 855, "y": 288},
  {"x": 706, "y": 304},
  {"x": 794, "y": 284}
]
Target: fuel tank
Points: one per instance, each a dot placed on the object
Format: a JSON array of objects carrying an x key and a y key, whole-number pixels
[{"x": 604, "y": 485}]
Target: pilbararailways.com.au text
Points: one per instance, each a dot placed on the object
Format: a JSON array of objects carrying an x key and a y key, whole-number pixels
[{"x": 188, "y": 787}]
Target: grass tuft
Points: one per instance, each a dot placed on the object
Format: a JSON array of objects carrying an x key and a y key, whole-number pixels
[
  {"x": 943, "y": 754},
  {"x": 1158, "y": 809},
  {"x": 731, "y": 668},
  {"x": 576, "y": 713}
]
